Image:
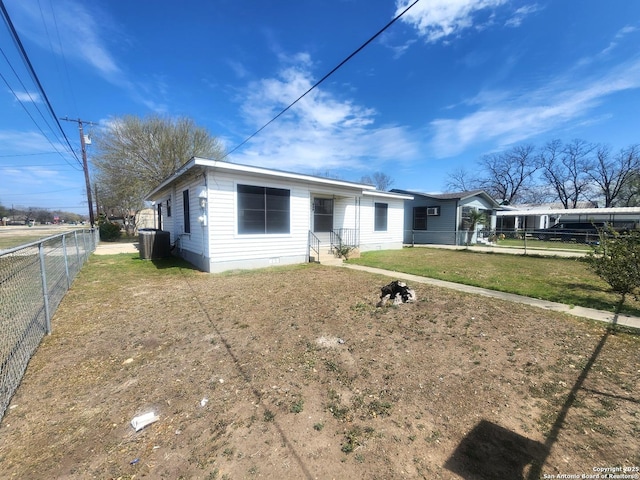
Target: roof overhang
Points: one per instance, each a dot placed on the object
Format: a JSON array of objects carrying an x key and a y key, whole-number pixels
[
  {"x": 223, "y": 166},
  {"x": 379, "y": 193},
  {"x": 571, "y": 211},
  {"x": 453, "y": 197}
]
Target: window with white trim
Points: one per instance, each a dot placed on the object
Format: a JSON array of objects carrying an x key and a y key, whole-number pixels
[{"x": 380, "y": 221}]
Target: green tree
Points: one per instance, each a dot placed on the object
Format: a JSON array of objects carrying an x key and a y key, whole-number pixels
[
  {"x": 472, "y": 217},
  {"x": 617, "y": 261},
  {"x": 135, "y": 154}
]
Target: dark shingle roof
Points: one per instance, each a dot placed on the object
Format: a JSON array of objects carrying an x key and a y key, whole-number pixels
[{"x": 450, "y": 195}]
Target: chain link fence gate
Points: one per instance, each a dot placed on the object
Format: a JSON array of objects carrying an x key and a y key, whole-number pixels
[{"x": 33, "y": 280}]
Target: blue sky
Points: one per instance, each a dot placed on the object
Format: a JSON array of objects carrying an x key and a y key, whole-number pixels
[{"x": 449, "y": 82}]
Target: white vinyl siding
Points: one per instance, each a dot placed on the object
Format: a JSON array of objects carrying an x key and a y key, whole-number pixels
[
  {"x": 217, "y": 242},
  {"x": 193, "y": 241},
  {"x": 392, "y": 237},
  {"x": 228, "y": 245}
]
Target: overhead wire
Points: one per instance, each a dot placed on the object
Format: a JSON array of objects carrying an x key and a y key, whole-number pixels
[
  {"x": 17, "y": 97},
  {"x": 28, "y": 165},
  {"x": 349, "y": 57},
  {"x": 9, "y": 155},
  {"x": 34, "y": 76},
  {"x": 64, "y": 58}
]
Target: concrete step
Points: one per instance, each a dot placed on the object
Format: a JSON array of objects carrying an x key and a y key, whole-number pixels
[
  {"x": 330, "y": 259},
  {"x": 326, "y": 257}
]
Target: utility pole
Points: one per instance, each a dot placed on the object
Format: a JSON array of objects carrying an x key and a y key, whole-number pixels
[{"x": 85, "y": 165}]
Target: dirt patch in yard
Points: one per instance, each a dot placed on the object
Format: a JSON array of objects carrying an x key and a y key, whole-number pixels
[{"x": 294, "y": 373}]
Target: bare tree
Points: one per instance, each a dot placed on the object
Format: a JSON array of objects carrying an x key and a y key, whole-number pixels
[
  {"x": 152, "y": 148},
  {"x": 508, "y": 175},
  {"x": 380, "y": 180},
  {"x": 461, "y": 180},
  {"x": 565, "y": 168},
  {"x": 135, "y": 154},
  {"x": 120, "y": 195},
  {"x": 326, "y": 174},
  {"x": 613, "y": 172},
  {"x": 630, "y": 193}
]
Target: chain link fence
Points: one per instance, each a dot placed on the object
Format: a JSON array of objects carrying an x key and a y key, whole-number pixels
[
  {"x": 33, "y": 280},
  {"x": 547, "y": 239}
]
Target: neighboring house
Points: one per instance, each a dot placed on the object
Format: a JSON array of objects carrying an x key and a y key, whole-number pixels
[
  {"x": 515, "y": 218},
  {"x": 223, "y": 216},
  {"x": 444, "y": 218},
  {"x": 146, "y": 218}
]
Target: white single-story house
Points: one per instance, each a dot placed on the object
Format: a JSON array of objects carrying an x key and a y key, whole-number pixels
[
  {"x": 444, "y": 218},
  {"x": 224, "y": 216}
]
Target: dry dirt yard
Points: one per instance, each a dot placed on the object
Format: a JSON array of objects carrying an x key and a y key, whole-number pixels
[{"x": 293, "y": 373}]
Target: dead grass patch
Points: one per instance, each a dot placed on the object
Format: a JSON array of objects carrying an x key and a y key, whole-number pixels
[{"x": 304, "y": 378}]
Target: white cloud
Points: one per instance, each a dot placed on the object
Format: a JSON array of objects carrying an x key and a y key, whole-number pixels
[
  {"x": 81, "y": 34},
  {"x": 438, "y": 19},
  {"x": 84, "y": 34},
  {"x": 519, "y": 15},
  {"x": 623, "y": 32},
  {"x": 518, "y": 117},
  {"x": 32, "y": 97},
  {"x": 321, "y": 132},
  {"x": 19, "y": 142}
]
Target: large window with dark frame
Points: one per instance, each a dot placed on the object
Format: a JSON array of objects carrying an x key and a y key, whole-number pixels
[
  {"x": 420, "y": 218},
  {"x": 420, "y": 215},
  {"x": 380, "y": 222},
  {"x": 263, "y": 210}
]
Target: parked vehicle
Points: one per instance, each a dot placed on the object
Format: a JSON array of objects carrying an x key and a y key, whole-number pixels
[{"x": 572, "y": 232}]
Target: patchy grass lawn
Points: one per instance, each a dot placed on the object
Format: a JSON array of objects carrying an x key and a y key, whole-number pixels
[
  {"x": 563, "y": 280},
  {"x": 294, "y": 373},
  {"x": 534, "y": 243}
]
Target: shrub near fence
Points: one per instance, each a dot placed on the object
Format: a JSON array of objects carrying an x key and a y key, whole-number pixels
[{"x": 33, "y": 280}]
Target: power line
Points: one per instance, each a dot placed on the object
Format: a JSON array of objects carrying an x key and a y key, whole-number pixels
[
  {"x": 32, "y": 72},
  {"x": 59, "y": 41},
  {"x": 25, "y": 108},
  {"x": 21, "y": 165},
  {"x": 10, "y": 155},
  {"x": 353, "y": 54},
  {"x": 32, "y": 194}
]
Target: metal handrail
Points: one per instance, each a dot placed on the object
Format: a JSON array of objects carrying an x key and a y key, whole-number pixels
[
  {"x": 313, "y": 243},
  {"x": 347, "y": 237}
]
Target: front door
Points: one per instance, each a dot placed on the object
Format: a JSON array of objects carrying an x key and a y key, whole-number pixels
[{"x": 322, "y": 217}]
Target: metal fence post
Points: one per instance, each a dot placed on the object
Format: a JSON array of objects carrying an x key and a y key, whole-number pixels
[
  {"x": 45, "y": 291},
  {"x": 84, "y": 243},
  {"x": 66, "y": 260},
  {"x": 75, "y": 236},
  {"x": 25, "y": 299}
]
